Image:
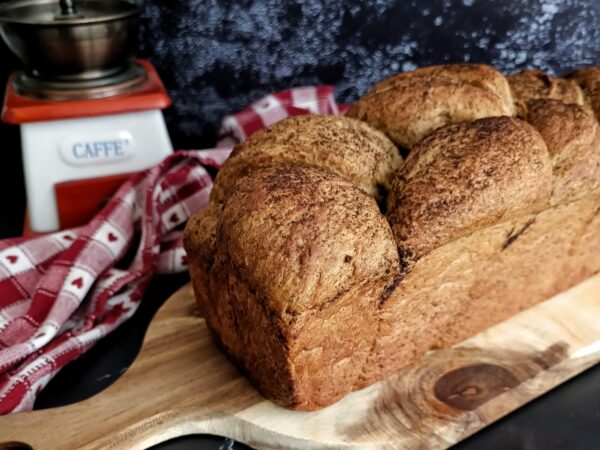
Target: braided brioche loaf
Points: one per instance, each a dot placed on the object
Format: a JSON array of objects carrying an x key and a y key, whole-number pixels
[{"x": 324, "y": 262}]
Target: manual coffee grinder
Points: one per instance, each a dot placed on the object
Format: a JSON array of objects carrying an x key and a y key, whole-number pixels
[{"x": 89, "y": 112}]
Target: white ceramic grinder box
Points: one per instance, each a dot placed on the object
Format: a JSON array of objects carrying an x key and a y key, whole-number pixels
[{"x": 73, "y": 149}]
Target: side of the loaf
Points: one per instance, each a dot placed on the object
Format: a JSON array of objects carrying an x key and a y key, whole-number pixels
[
  {"x": 467, "y": 285},
  {"x": 313, "y": 293},
  {"x": 303, "y": 261}
]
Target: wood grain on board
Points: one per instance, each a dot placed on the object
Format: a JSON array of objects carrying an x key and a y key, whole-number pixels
[{"x": 182, "y": 384}]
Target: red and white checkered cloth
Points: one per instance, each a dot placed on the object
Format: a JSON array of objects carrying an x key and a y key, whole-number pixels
[{"x": 62, "y": 292}]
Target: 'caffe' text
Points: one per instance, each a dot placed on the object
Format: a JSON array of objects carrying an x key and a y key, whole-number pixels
[{"x": 100, "y": 149}]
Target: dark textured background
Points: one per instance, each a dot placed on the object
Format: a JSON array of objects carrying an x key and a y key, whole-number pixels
[{"x": 215, "y": 57}]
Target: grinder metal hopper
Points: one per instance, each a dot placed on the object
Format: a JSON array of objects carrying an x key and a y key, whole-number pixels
[
  {"x": 90, "y": 113},
  {"x": 72, "y": 49}
]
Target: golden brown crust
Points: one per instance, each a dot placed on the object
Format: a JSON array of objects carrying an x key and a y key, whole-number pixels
[
  {"x": 465, "y": 177},
  {"x": 477, "y": 75},
  {"x": 572, "y": 136},
  {"x": 315, "y": 256},
  {"x": 320, "y": 229},
  {"x": 588, "y": 79},
  {"x": 411, "y": 105},
  {"x": 199, "y": 241},
  {"x": 341, "y": 145},
  {"x": 463, "y": 287},
  {"x": 345, "y": 146},
  {"x": 561, "y": 125},
  {"x": 534, "y": 84},
  {"x": 307, "y": 293}
]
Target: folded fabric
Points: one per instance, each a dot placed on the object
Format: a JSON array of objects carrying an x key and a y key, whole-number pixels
[{"x": 62, "y": 292}]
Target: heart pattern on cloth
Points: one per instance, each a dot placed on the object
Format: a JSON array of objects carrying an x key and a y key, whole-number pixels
[
  {"x": 174, "y": 218},
  {"x": 77, "y": 282},
  {"x": 112, "y": 237},
  {"x": 12, "y": 259}
]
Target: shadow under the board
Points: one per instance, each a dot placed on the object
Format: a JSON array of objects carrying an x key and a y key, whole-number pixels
[{"x": 200, "y": 441}]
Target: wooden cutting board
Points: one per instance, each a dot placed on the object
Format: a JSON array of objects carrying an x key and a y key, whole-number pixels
[{"x": 181, "y": 384}]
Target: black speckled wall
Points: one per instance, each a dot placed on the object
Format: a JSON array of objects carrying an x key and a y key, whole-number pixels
[{"x": 217, "y": 56}]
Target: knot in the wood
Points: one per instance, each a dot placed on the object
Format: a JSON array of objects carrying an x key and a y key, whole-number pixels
[{"x": 469, "y": 387}]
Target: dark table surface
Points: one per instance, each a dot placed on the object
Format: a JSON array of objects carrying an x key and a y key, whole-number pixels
[{"x": 216, "y": 56}]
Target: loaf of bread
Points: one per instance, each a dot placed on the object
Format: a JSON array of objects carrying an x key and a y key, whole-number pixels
[{"x": 324, "y": 262}]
